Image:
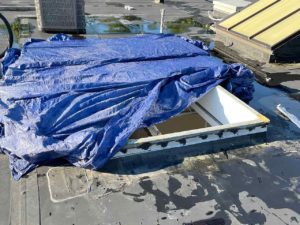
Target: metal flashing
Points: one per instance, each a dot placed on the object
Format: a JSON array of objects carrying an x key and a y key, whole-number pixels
[
  {"x": 266, "y": 21},
  {"x": 222, "y": 126}
]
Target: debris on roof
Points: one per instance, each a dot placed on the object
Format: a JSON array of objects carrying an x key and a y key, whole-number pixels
[{"x": 289, "y": 115}]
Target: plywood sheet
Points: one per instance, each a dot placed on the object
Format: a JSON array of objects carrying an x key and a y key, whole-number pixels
[{"x": 183, "y": 122}]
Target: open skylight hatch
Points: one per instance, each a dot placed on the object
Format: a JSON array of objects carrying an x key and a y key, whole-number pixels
[{"x": 219, "y": 120}]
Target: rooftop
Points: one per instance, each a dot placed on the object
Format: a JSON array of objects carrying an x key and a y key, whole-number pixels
[{"x": 251, "y": 185}]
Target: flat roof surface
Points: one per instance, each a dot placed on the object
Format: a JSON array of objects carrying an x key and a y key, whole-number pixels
[
  {"x": 267, "y": 21},
  {"x": 252, "y": 185}
]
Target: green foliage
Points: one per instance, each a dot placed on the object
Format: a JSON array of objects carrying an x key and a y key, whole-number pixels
[
  {"x": 16, "y": 27},
  {"x": 152, "y": 26},
  {"x": 118, "y": 28},
  {"x": 176, "y": 28},
  {"x": 131, "y": 17},
  {"x": 188, "y": 21},
  {"x": 182, "y": 25},
  {"x": 207, "y": 30},
  {"x": 2, "y": 26},
  {"x": 108, "y": 19}
]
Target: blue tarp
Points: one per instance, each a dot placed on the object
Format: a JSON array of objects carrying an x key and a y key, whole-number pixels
[{"x": 82, "y": 99}]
